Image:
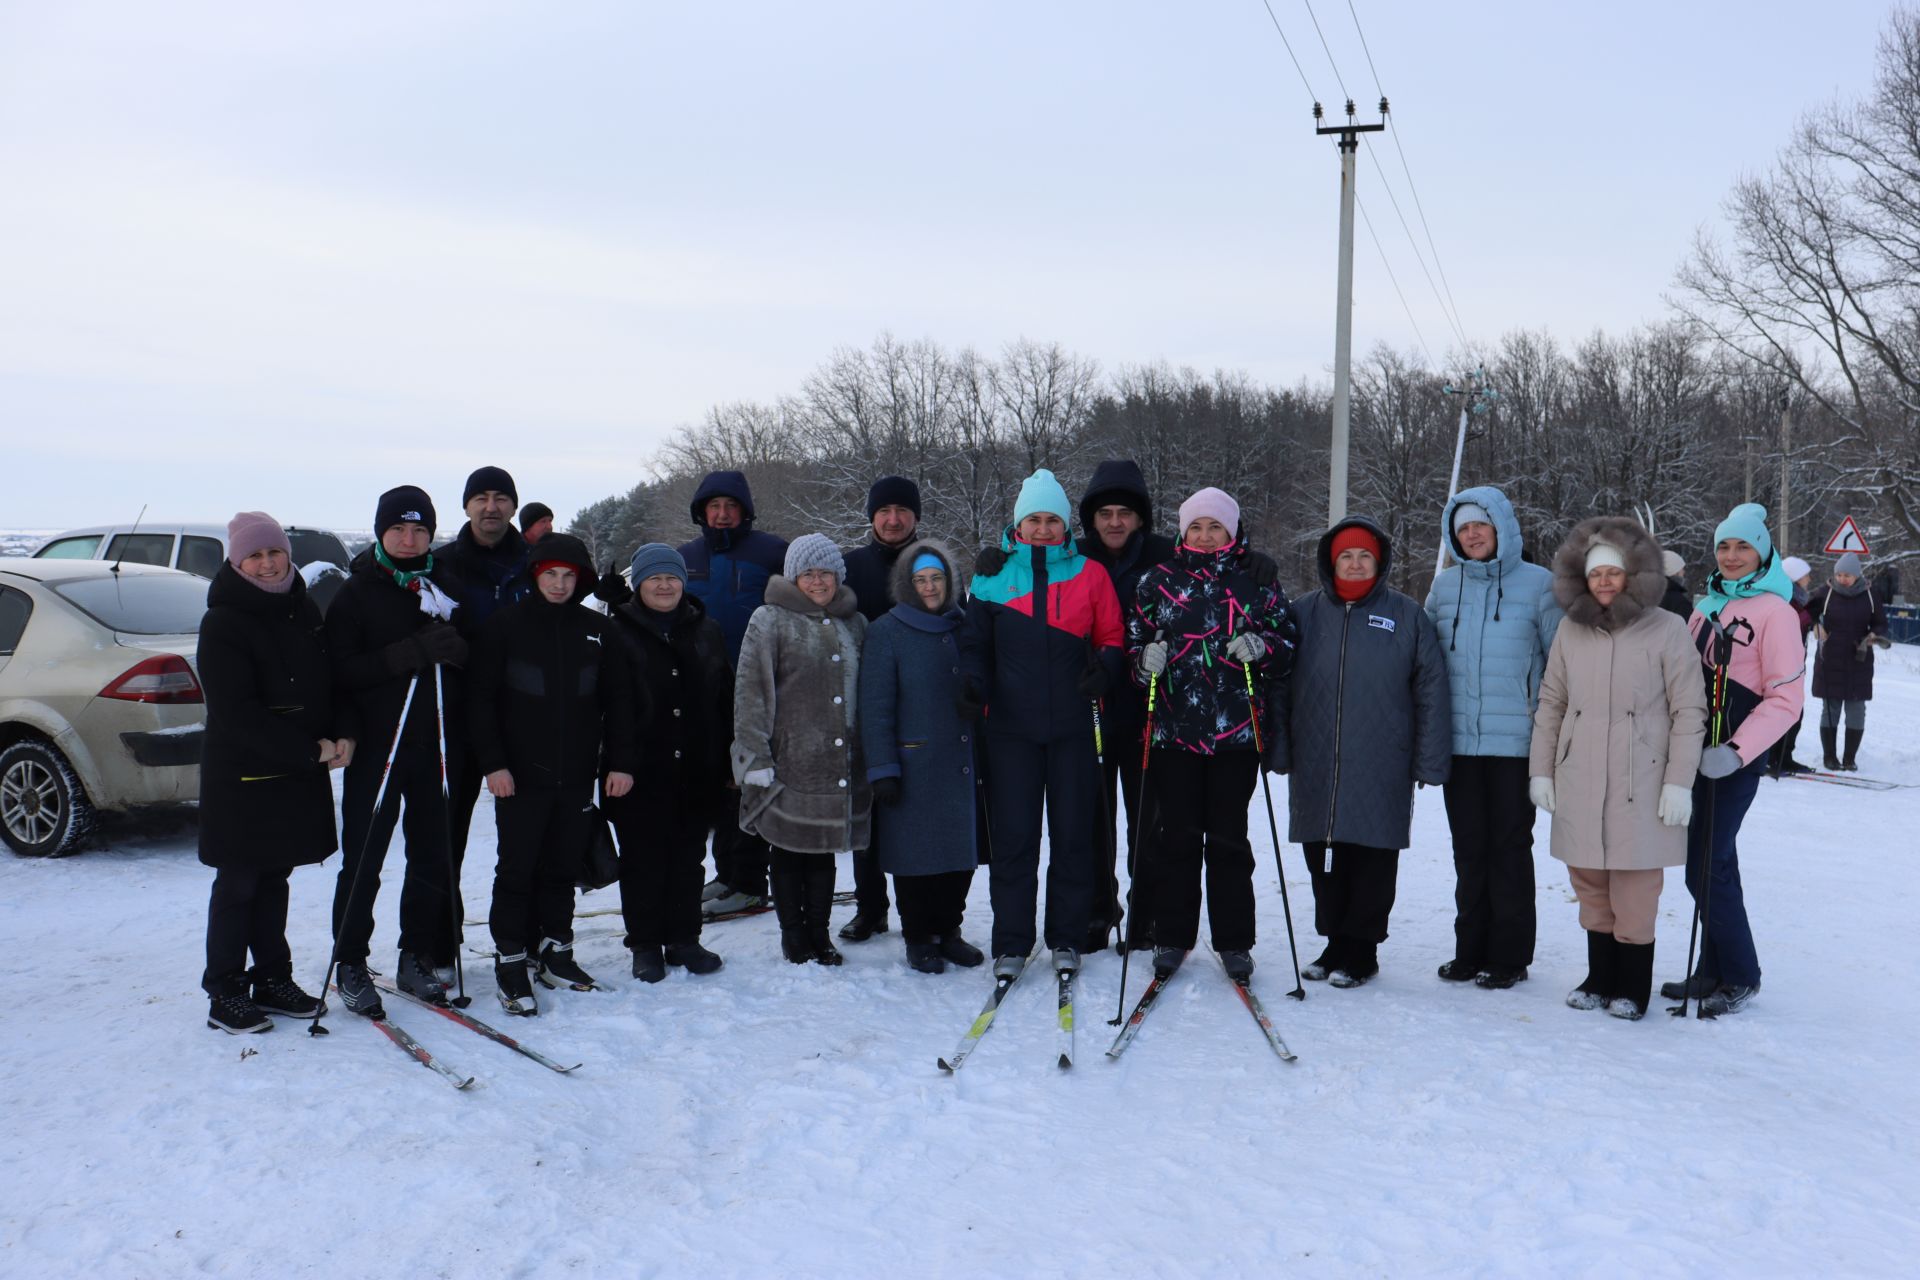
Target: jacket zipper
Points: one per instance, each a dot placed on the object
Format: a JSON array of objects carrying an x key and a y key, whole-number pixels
[{"x": 1339, "y": 719}]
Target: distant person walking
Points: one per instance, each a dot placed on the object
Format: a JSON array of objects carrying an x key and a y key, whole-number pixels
[{"x": 1851, "y": 622}]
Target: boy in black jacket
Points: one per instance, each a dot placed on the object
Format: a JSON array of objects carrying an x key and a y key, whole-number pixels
[{"x": 545, "y": 698}]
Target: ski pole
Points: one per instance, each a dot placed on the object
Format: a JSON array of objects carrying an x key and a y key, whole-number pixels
[
  {"x": 1133, "y": 854},
  {"x": 1106, "y": 802},
  {"x": 366, "y": 842},
  {"x": 1703, "y": 900},
  {"x": 462, "y": 1000},
  {"x": 1299, "y": 991}
]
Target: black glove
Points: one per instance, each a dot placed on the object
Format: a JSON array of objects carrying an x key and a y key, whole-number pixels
[
  {"x": 1262, "y": 569},
  {"x": 988, "y": 561},
  {"x": 885, "y": 790},
  {"x": 440, "y": 642},
  {"x": 1093, "y": 680},
  {"x": 970, "y": 701},
  {"x": 612, "y": 588}
]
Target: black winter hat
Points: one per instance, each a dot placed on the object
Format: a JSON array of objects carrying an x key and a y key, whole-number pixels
[
  {"x": 1116, "y": 482},
  {"x": 494, "y": 478},
  {"x": 533, "y": 513},
  {"x": 893, "y": 491},
  {"x": 399, "y": 506}
]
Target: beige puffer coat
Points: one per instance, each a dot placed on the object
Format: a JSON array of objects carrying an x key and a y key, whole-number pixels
[{"x": 1623, "y": 709}]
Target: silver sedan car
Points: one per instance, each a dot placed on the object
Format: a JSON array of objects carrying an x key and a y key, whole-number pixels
[{"x": 100, "y": 700}]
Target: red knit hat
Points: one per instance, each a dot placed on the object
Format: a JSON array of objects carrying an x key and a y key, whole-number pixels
[
  {"x": 541, "y": 566},
  {"x": 1354, "y": 536}
]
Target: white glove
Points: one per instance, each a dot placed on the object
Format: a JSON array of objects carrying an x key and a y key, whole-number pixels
[
  {"x": 1153, "y": 658},
  {"x": 757, "y": 778},
  {"x": 1540, "y": 791},
  {"x": 1246, "y": 647},
  {"x": 1676, "y": 805}
]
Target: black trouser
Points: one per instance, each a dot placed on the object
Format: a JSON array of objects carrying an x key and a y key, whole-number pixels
[
  {"x": 1061, "y": 777},
  {"x": 931, "y": 907},
  {"x": 414, "y": 800},
  {"x": 1491, "y": 817},
  {"x": 1783, "y": 750},
  {"x": 869, "y": 885},
  {"x": 1351, "y": 901},
  {"x": 662, "y": 863},
  {"x": 740, "y": 860},
  {"x": 544, "y": 833},
  {"x": 247, "y": 911},
  {"x": 1200, "y": 816},
  {"x": 1122, "y": 775}
]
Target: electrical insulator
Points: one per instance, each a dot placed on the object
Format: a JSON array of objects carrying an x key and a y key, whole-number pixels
[{"x": 1349, "y": 108}]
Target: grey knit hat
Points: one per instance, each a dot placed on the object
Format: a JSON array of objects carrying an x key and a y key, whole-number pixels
[
  {"x": 1848, "y": 563},
  {"x": 656, "y": 558},
  {"x": 814, "y": 551}
]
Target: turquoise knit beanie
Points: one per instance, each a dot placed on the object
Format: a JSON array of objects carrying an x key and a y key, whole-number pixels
[
  {"x": 1040, "y": 492},
  {"x": 1747, "y": 522}
]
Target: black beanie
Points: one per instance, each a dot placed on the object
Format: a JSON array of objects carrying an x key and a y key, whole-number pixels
[
  {"x": 533, "y": 513},
  {"x": 494, "y": 478},
  {"x": 893, "y": 491},
  {"x": 401, "y": 505}
]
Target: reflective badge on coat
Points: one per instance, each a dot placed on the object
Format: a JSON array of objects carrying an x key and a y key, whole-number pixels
[{"x": 1375, "y": 620}]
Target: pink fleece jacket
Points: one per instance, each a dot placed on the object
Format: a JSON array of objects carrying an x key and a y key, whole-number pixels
[{"x": 1771, "y": 667}]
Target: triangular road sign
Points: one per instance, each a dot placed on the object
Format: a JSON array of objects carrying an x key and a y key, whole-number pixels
[{"x": 1847, "y": 538}]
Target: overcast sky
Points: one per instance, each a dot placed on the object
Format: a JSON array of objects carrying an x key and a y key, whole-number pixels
[{"x": 285, "y": 256}]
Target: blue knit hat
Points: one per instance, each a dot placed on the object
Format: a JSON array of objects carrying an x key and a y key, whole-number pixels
[
  {"x": 1040, "y": 492},
  {"x": 1747, "y": 522},
  {"x": 657, "y": 558}
]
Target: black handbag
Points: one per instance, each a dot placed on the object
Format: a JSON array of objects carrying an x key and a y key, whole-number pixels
[{"x": 602, "y": 864}]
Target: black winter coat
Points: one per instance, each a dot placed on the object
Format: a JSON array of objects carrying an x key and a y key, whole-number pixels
[
  {"x": 1367, "y": 713},
  {"x": 265, "y": 800},
  {"x": 370, "y": 614},
  {"x": 869, "y": 575},
  {"x": 683, "y": 688},
  {"x": 1841, "y": 670},
  {"x": 547, "y": 693},
  {"x": 483, "y": 580},
  {"x": 1126, "y": 705}
]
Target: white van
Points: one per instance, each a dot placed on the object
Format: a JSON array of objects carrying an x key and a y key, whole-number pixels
[{"x": 198, "y": 549}]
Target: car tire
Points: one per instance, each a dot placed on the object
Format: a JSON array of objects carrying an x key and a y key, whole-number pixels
[{"x": 44, "y": 812}]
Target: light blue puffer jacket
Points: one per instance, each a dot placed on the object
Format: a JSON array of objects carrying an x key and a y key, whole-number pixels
[{"x": 1496, "y": 620}]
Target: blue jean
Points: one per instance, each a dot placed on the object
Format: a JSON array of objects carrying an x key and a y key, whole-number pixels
[{"x": 1727, "y": 952}]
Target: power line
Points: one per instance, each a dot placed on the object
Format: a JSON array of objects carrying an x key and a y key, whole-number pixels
[
  {"x": 1329, "y": 52},
  {"x": 1452, "y": 319},
  {"x": 1378, "y": 248},
  {"x": 1290, "y": 53}
]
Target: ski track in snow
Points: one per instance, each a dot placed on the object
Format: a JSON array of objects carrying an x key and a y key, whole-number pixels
[{"x": 786, "y": 1119}]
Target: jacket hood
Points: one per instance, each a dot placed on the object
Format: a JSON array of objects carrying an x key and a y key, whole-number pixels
[
  {"x": 783, "y": 594},
  {"x": 1323, "y": 555},
  {"x": 1506, "y": 528},
  {"x": 722, "y": 484},
  {"x": 230, "y": 589},
  {"x": 1646, "y": 578},
  {"x": 567, "y": 549},
  {"x": 900, "y": 579},
  {"x": 1116, "y": 480}
]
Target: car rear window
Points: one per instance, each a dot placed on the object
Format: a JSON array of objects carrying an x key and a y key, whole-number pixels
[
  {"x": 310, "y": 545},
  {"x": 202, "y": 556},
  {"x": 81, "y": 548},
  {"x": 142, "y": 548},
  {"x": 147, "y": 605}
]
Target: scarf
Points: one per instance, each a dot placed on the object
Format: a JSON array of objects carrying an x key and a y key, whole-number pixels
[
  {"x": 1770, "y": 578},
  {"x": 1352, "y": 589},
  {"x": 403, "y": 577}
]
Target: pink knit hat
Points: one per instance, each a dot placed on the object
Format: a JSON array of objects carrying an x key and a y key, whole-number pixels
[
  {"x": 1210, "y": 502},
  {"x": 252, "y": 531}
]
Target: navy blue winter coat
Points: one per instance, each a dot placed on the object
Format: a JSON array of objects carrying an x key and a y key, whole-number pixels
[
  {"x": 911, "y": 730},
  {"x": 483, "y": 580},
  {"x": 727, "y": 569}
]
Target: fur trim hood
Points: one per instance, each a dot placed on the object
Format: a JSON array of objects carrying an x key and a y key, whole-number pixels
[
  {"x": 1646, "y": 576},
  {"x": 900, "y": 578}
]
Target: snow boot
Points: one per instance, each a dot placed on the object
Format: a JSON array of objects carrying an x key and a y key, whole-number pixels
[
  {"x": 1632, "y": 980},
  {"x": 557, "y": 965},
  {"x": 955, "y": 949},
  {"x": 862, "y": 927},
  {"x": 790, "y": 907},
  {"x": 1166, "y": 960},
  {"x": 1317, "y": 969},
  {"x": 1457, "y": 970},
  {"x": 1698, "y": 987},
  {"x": 516, "y": 988},
  {"x": 1238, "y": 964},
  {"x": 1359, "y": 962},
  {"x": 649, "y": 963},
  {"x": 357, "y": 991},
  {"x": 1728, "y": 999},
  {"x": 1853, "y": 749},
  {"x": 732, "y": 903},
  {"x": 1498, "y": 977},
  {"x": 1829, "y": 752},
  {"x": 416, "y": 979},
  {"x": 1594, "y": 993},
  {"x": 282, "y": 995},
  {"x": 714, "y": 888},
  {"x": 819, "y": 900},
  {"x": 1067, "y": 960},
  {"x": 692, "y": 957},
  {"x": 230, "y": 1010},
  {"x": 925, "y": 957}
]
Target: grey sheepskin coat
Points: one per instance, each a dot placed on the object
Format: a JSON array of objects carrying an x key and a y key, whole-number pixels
[
  {"x": 1623, "y": 710},
  {"x": 795, "y": 699}
]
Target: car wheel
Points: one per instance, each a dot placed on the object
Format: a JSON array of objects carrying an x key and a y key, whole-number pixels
[{"x": 43, "y": 811}]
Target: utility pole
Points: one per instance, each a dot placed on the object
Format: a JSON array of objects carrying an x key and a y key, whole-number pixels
[
  {"x": 1786, "y": 433},
  {"x": 1349, "y": 136},
  {"x": 1478, "y": 399}
]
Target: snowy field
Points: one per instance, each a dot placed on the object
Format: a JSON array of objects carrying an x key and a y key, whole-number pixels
[{"x": 783, "y": 1120}]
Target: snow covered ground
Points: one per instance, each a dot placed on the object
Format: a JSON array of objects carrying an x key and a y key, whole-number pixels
[{"x": 776, "y": 1119}]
